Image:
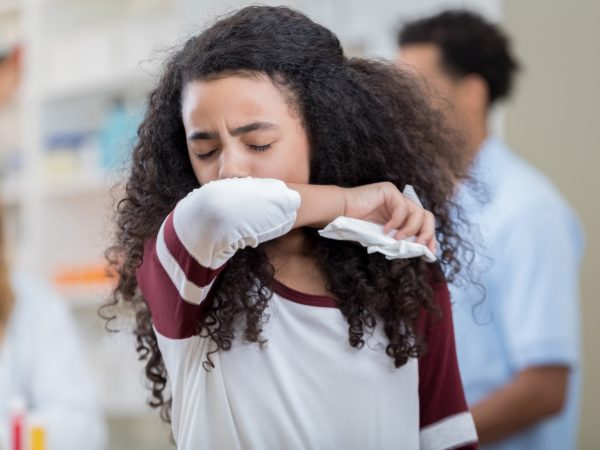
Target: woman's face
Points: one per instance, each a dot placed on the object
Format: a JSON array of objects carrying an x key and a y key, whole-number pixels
[{"x": 243, "y": 127}]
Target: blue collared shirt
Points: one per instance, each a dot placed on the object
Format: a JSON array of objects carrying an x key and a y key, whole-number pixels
[{"x": 529, "y": 248}]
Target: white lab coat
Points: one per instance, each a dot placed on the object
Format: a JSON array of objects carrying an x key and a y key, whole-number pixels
[{"x": 42, "y": 361}]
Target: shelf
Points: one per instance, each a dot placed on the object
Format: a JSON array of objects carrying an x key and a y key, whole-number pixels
[
  {"x": 119, "y": 85},
  {"x": 117, "y": 411},
  {"x": 128, "y": 6},
  {"x": 83, "y": 297},
  {"x": 80, "y": 185},
  {"x": 60, "y": 190},
  {"x": 8, "y": 7},
  {"x": 81, "y": 56}
]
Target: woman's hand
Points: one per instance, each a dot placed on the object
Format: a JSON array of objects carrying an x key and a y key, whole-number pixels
[
  {"x": 384, "y": 204},
  {"x": 381, "y": 203}
]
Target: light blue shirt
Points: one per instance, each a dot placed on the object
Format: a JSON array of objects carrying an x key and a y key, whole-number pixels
[{"x": 529, "y": 244}]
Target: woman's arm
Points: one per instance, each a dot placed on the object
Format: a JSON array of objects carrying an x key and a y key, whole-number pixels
[
  {"x": 215, "y": 221},
  {"x": 212, "y": 223}
]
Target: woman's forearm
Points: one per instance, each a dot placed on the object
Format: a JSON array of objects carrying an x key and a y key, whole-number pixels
[{"x": 320, "y": 204}]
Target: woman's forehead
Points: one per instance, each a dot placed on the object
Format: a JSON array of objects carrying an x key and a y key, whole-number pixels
[{"x": 234, "y": 95}]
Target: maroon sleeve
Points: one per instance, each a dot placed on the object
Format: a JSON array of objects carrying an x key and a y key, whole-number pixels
[
  {"x": 444, "y": 415},
  {"x": 172, "y": 315}
]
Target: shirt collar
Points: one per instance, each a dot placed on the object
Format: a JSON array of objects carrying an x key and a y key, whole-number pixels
[{"x": 485, "y": 171}]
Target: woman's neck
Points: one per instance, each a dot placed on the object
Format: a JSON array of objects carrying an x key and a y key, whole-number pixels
[
  {"x": 294, "y": 266},
  {"x": 286, "y": 246}
]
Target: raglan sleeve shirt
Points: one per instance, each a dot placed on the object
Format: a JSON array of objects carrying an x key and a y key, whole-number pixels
[{"x": 192, "y": 248}]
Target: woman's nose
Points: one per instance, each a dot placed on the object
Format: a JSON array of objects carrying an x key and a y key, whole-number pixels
[{"x": 233, "y": 163}]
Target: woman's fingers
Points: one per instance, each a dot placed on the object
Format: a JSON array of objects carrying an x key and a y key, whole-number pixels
[
  {"x": 413, "y": 224},
  {"x": 432, "y": 245},
  {"x": 427, "y": 234},
  {"x": 407, "y": 217},
  {"x": 400, "y": 210},
  {"x": 414, "y": 221},
  {"x": 396, "y": 212},
  {"x": 427, "y": 231}
]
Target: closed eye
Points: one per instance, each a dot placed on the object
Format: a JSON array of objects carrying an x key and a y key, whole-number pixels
[
  {"x": 260, "y": 148},
  {"x": 203, "y": 156}
]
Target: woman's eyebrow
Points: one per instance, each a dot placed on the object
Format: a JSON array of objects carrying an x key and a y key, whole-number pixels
[{"x": 254, "y": 126}]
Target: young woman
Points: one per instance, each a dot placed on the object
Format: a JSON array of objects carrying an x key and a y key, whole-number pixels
[{"x": 259, "y": 133}]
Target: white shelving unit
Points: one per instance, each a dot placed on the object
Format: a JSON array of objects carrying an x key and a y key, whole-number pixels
[{"x": 79, "y": 56}]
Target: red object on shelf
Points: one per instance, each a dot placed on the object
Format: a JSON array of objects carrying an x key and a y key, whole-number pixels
[
  {"x": 92, "y": 274},
  {"x": 17, "y": 430}
]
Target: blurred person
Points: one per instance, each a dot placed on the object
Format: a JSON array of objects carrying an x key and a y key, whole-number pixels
[
  {"x": 10, "y": 71},
  {"x": 42, "y": 361},
  {"x": 518, "y": 349}
]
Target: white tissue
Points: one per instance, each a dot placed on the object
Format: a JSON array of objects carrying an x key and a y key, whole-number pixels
[{"x": 371, "y": 236}]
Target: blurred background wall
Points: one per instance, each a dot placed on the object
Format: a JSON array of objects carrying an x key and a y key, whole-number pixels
[{"x": 554, "y": 121}]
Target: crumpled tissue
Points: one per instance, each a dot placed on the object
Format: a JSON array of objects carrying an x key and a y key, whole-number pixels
[{"x": 371, "y": 236}]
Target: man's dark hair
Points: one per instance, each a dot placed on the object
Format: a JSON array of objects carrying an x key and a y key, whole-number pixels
[{"x": 469, "y": 45}]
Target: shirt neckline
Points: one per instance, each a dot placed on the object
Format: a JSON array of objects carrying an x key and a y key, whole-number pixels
[{"x": 300, "y": 297}]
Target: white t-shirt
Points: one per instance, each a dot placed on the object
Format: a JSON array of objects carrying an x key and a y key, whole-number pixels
[{"x": 306, "y": 388}]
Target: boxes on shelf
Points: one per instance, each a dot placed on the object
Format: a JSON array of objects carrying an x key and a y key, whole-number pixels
[{"x": 92, "y": 153}]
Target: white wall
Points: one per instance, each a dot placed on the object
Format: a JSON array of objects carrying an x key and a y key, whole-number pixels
[{"x": 554, "y": 122}]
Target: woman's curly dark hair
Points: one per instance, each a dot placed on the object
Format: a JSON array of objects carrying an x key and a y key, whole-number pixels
[{"x": 366, "y": 122}]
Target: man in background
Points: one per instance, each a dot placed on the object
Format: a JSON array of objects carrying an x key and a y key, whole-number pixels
[{"x": 518, "y": 349}]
